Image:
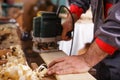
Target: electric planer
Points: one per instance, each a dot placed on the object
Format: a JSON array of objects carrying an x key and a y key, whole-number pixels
[{"x": 47, "y": 30}]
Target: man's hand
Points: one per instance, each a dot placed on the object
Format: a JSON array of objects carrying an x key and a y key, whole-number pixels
[
  {"x": 79, "y": 63},
  {"x": 67, "y": 65},
  {"x": 68, "y": 26}
]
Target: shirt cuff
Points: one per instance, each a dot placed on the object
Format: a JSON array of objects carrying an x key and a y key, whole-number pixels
[
  {"x": 76, "y": 10},
  {"x": 105, "y": 46}
]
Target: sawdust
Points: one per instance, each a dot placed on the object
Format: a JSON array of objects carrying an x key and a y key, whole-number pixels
[{"x": 8, "y": 35}]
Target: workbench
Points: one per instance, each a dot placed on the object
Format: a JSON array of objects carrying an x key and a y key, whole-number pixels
[{"x": 38, "y": 58}]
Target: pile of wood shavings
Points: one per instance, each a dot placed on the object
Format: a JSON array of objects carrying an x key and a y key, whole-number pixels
[
  {"x": 8, "y": 35},
  {"x": 16, "y": 68}
]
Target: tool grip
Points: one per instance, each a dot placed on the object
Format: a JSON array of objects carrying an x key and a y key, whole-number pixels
[{"x": 69, "y": 34}]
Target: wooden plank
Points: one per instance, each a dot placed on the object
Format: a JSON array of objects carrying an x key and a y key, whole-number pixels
[
  {"x": 48, "y": 57},
  {"x": 83, "y": 76}
]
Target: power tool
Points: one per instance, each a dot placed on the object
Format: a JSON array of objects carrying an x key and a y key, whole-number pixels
[{"x": 47, "y": 30}]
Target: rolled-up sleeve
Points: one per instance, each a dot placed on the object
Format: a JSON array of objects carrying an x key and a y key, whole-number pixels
[
  {"x": 84, "y": 4},
  {"x": 76, "y": 10},
  {"x": 108, "y": 34},
  {"x": 79, "y": 6}
]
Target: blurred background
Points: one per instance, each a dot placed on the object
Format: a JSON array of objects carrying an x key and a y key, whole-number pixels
[
  {"x": 9, "y": 8},
  {"x": 22, "y": 12}
]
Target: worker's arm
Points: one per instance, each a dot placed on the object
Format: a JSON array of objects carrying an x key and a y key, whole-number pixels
[
  {"x": 68, "y": 26},
  {"x": 106, "y": 43},
  {"x": 77, "y": 64},
  {"x": 77, "y": 7},
  {"x": 108, "y": 35}
]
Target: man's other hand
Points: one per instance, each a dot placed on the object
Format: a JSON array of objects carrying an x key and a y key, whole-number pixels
[{"x": 68, "y": 65}]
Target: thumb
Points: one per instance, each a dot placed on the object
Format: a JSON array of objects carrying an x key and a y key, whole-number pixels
[{"x": 64, "y": 34}]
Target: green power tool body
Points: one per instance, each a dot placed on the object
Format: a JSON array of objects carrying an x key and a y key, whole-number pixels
[{"x": 47, "y": 30}]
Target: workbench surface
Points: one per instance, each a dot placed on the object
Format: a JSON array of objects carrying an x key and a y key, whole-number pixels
[{"x": 33, "y": 57}]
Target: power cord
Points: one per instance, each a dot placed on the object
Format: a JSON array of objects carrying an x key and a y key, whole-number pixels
[{"x": 69, "y": 33}]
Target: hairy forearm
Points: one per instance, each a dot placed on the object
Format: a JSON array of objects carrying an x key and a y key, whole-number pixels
[
  {"x": 75, "y": 17},
  {"x": 94, "y": 55}
]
